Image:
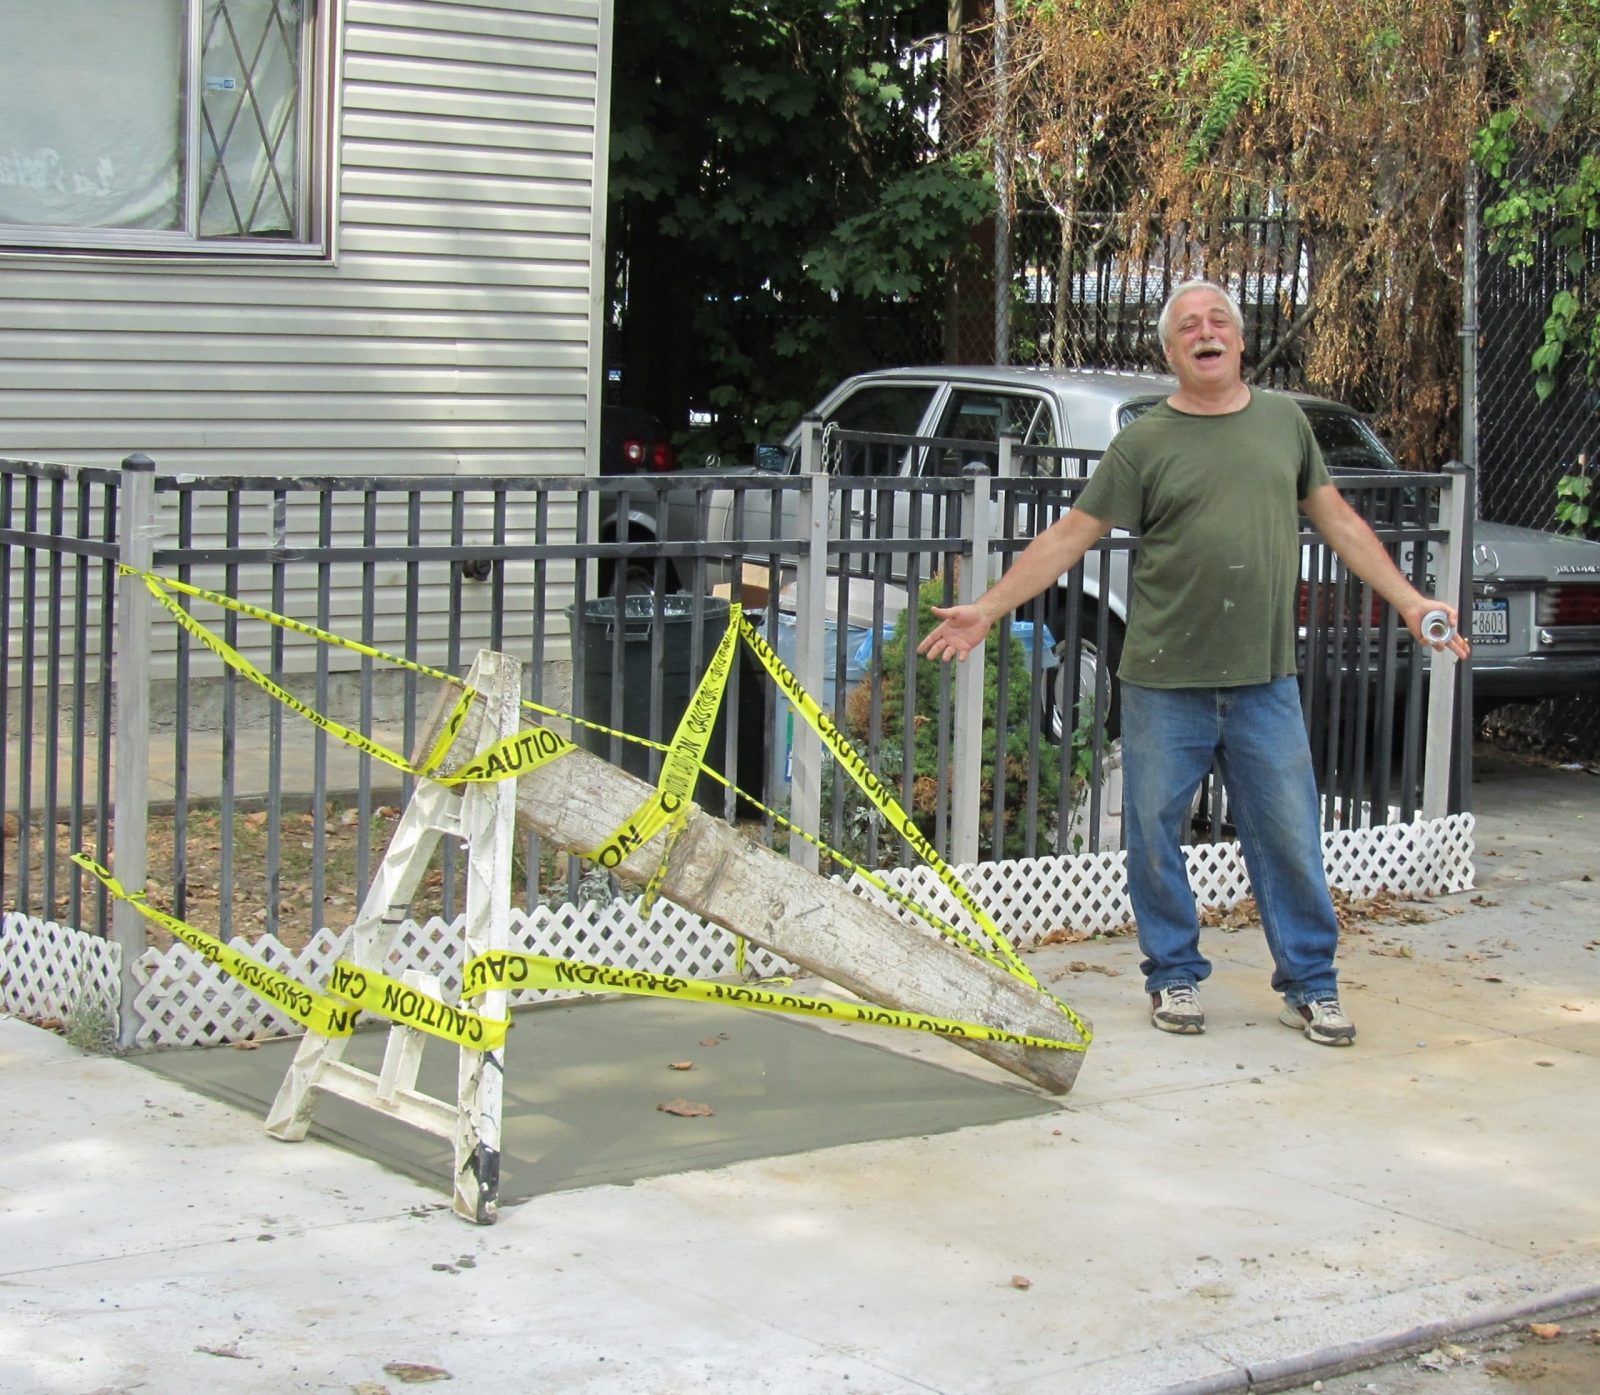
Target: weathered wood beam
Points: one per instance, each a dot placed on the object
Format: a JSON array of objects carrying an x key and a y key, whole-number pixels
[{"x": 579, "y": 801}]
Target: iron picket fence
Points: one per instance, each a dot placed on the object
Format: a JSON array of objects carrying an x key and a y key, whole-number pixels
[{"x": 129, "y": 737}]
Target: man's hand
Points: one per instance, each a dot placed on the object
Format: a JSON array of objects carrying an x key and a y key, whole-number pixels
[
  {"x": 962, "y": 629},
  {"x": 1412, "y": 614}
]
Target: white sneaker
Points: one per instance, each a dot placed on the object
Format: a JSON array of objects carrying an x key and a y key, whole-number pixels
[
  {"x": 1323, "y": 1021},
  {"x": 1176, "y": 1008}
]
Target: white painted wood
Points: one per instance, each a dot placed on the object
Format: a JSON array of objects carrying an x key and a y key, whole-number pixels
[
  {"x": 1449, "y": 563},
  {"x": 402, "y": 1055},
  {"x": 970, "y": 736},
  {"x": 483, "y": 816},
  {"x": 488, "y": 825}
]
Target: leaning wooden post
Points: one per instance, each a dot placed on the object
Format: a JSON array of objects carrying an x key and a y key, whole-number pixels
[{"x": 136, "y": 528}]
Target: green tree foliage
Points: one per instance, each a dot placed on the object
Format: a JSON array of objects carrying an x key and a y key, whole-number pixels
[
  {"x": 779, "y": 215},
  {"x": 1152, "y": 126},
  {"x": 1538, "y": 153},
  {"x": 1358, "y": 118}
]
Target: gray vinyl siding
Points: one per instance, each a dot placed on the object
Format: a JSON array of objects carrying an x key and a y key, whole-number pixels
[
  {"x": 455, "y": 331},
  {"x": 456, "y": 328}
]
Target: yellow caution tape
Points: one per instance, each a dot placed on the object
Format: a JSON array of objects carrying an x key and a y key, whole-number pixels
[
  {"x": 411, "y": 1007},
  {"x": 686, "y": 757},
  {"x": 643, "y": 824},
  {"x": 877, "y": 793},
  {"x": 518, "y": 754},
  {"x": 310, "y": 1009},
  {"x": 447, "y": 735},
  {"x": 510, "y": 970},
  {"x": 509, "y": 757},
  {"x": 669, "y": 806}
]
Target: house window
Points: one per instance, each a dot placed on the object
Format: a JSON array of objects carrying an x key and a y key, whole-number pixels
[{"x": 163, "y": 125}]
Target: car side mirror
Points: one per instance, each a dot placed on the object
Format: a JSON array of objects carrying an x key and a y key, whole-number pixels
[{"x": 773, "y": 458}]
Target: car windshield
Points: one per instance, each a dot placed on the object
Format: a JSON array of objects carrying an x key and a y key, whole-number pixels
[{"x": 1346, "y": 441}]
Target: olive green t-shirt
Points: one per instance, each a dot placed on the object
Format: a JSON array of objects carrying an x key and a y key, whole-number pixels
[{"x": 1215, "y": 501}]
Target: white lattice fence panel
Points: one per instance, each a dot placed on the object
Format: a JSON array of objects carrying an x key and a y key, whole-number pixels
[
  {"x": 1031, "y": 897},
  {"x": 1428, "y": 857},
  {"x": 47, "y": 969},
  {"x": 183, "y": 1001}
]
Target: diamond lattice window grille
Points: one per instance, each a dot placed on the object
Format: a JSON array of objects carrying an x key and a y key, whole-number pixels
[{"x": 251, "y": 64}]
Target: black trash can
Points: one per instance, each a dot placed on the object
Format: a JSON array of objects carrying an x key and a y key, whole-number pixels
[{"x": 607, "y": 656}]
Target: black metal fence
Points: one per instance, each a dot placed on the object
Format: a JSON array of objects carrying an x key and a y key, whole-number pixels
[
  {"x": 1081, "y": 299},
  {"x": 430, "y": 570}
]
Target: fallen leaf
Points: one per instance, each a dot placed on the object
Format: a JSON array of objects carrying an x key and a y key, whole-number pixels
[
  {"x": 256, "y": 820},
  {"x": 1064, "y": 936},
  {"x": 1021, "y": 1281},
  {"x": 711, "y": 1041},
  {"x": 369, "y": 1387},
  {"x": 231, "y": 1351},
  {"x": 687, "y": 1109},
  {"x": 1572, "y": 1007},
  {"x": 1545, "y": 1331},
  {"x": 247, "y": 1046},
  {"x": 680, "y": 1065},
  {"x": 414, "y": 1374},
  {"x": 1544, "y": 1063}
]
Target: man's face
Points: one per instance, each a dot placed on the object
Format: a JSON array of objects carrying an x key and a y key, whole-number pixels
[{"x": 1204, "y": 346}]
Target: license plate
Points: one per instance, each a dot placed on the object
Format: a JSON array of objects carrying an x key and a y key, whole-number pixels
[{"x": 1491, "y": 620}]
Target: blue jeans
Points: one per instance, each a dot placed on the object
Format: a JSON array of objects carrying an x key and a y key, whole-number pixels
[{"x": 1255, "y": 733}]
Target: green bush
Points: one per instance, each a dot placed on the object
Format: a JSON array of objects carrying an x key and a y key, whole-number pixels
[{"x": 929, "y": 780}]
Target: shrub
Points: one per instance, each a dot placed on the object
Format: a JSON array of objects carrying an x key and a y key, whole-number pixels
[{"x": 930, "y": 781}]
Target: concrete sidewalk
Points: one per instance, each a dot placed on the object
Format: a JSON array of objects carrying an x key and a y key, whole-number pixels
[{"x": 1198, "y": 1213}]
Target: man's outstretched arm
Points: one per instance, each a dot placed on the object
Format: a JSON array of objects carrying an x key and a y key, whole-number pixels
[
  {"x": 1351, "y": 536},
  {"x": 1058, "y": 549}
]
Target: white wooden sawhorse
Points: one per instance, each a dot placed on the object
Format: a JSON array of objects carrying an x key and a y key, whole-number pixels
[{"x": 483, "y": 817}]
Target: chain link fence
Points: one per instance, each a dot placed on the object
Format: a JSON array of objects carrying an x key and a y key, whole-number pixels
[{"x": 1526, "y": 446}]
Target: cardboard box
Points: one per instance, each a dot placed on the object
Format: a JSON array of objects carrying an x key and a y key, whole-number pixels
[{"x": 752, "y": 589}]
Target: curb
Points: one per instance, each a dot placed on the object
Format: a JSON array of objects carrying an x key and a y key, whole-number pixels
[{"x": 1294, "y": 1371}]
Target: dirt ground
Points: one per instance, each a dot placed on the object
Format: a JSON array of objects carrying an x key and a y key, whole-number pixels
[
  {"x": 1557, "y": 1356},
  {"x": 346, "y": 858}
]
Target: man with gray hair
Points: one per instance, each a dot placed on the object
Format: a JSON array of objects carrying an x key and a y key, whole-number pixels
[{"x": 1211, "y": 479}]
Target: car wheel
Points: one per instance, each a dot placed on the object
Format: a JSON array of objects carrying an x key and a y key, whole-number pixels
[{"x": 1064, "y": 700}]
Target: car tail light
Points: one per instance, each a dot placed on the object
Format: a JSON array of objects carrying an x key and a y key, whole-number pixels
[
  {"x": 662, "y": 457},
  {"x": 1325, "y": 605},
  {"x": 1569, "y": 605},
  {"x": 633, "y": 451}
]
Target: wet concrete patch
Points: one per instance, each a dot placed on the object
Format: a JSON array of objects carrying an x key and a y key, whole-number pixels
[{"x": 584, "y": 1082}]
